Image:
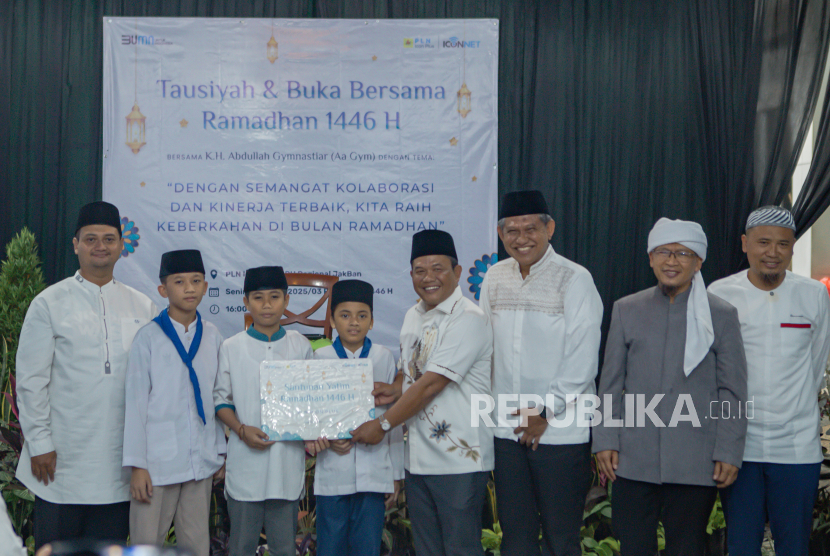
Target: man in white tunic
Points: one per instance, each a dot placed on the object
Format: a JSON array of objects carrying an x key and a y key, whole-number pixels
[
  {"x": 785, "y": 323},
  {"x": 446, "y": 347},
  {"x": 546, "y": 315},
  {"x": 71, "y": 367}
]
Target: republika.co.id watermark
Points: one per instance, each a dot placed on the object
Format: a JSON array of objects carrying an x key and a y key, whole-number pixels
[{"x": 588, "y": 410}]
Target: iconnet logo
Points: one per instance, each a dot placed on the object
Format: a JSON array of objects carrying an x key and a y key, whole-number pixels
[{"x": 454, "y": 42}]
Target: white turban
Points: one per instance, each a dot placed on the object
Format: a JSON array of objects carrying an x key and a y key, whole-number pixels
[{"x": 699, "y": 331}]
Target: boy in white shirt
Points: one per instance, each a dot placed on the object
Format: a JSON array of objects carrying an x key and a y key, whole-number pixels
[
  {"x": 264, "y": 478},
  {"x": 171, "y": 439},
  {"x": 350, "y": 480}
]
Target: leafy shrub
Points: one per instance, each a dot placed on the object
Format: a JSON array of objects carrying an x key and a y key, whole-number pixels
[{"x": 21, "y": 279}]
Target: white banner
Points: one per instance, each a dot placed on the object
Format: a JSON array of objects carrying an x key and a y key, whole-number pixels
[{"x": 318, "y": 145}]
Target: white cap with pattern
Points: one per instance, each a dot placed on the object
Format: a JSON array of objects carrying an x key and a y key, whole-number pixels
[{"x": 771, "y": 215}]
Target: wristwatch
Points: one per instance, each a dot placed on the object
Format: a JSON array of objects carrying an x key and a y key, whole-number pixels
[{"x": 384, "y": 424}]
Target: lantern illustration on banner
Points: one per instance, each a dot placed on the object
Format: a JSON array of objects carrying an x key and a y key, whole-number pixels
[
  {"x": 464, "y": 95},
  {"x": 464, "y": 100},
  {"x": 135, "y": 129},
  {"x": 273, "y": 46},
  {"x": 135, "y": 119}
]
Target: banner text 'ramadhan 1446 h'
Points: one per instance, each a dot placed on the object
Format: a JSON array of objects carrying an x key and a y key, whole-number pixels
[{"x": 318, "y": 145}]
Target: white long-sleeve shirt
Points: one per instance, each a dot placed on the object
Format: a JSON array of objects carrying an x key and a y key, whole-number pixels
[
  {"x": 786, "y": 334},
  {"x": 364, "y": 468},
  {"x": 277, "y": 472},
  {"x": 163, "y": 432},
  {"x": 71, "y": 367},
  {"x": 546, "y": 335}
]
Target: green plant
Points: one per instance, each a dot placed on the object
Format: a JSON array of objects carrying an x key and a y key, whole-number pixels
[
  {"x": 821, "y": 513},
  {"x": 307, "y": 519},
  {"x": 597, "y": 521},
  {"x": 491, "y": 539},
  {"x": 821, "y": 508},
  {"x": 21, "y": 279},
  {"x": 606, "y": 547},
  {"x": 716, "y": 518},
  {"x": 397, "y": 528}
]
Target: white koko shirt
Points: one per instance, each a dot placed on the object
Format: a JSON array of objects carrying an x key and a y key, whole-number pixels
[
  {"x": 71, "y": 367},
  {"x": 364, "y": 468},
  {"x": 253, "y": 475},
  {"x": 454, "y": 340},
  {"x": 163, "y": 432},
  {"x": 786, "y": 335},
  {"x": 546, "y": 335}
]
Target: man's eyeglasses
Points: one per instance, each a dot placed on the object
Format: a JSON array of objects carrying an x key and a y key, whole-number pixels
[{"x": 681, "y": 256}]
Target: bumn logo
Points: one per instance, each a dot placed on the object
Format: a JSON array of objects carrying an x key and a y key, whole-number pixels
[{"x": 137, "y": 39}]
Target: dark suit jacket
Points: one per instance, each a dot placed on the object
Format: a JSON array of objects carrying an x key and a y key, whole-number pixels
[{"x": 644, "y": 355}]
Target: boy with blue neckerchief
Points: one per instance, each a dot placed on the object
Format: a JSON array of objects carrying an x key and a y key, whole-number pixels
[
  {"x": 264, "y": 479},
  {"x": 352, "y": 481},
  {"x": 171, "y": 440}
]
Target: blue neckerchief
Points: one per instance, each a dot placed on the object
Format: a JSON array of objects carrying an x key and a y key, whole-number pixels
[
  {"x": 341, "y": 351},
  {"x": 163, "y": 320}
]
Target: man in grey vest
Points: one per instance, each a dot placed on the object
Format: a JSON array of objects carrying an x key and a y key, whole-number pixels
[{"x": 678, "y": 432}]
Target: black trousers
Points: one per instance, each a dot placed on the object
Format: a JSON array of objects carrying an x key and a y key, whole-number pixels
[
  {"x": 543, "y": 489},
  {"x": 62, "y": 522},
  {"x": 446, "y": 513},
  {"x": 636, "y": 507}
]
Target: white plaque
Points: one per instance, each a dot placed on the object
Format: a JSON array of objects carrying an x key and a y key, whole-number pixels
[{"x": 308, "y": 399}]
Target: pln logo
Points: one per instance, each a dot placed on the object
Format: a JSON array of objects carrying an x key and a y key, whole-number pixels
[{"x": 419, "y": 42}]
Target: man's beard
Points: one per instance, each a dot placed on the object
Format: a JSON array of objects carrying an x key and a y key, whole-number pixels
[
  {"x": 771, "y": 279},
  {"x": 669, "y": 291}
]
